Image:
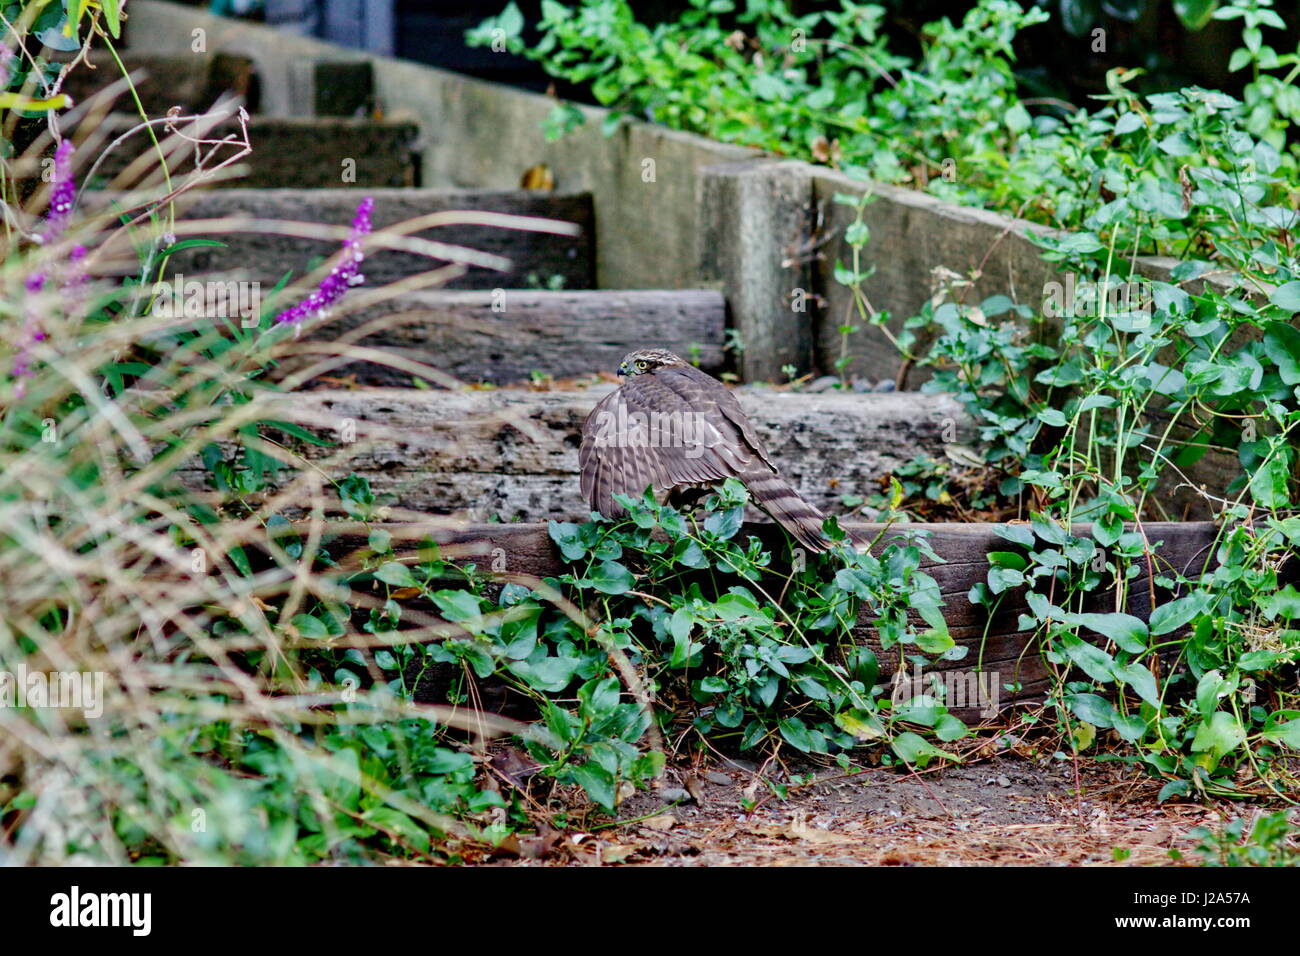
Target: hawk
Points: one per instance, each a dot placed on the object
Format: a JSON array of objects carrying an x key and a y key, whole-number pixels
[{"x": 675, "y": 428}]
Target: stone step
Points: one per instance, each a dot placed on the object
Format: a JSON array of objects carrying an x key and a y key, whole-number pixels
[
  {"x": 288, "y": 153},
  {"x": 194, "y": 82},
  {"x": 512, "y": 454},
  {"x": 536, "y": 258},
  {"x": 505, "y": 336}
]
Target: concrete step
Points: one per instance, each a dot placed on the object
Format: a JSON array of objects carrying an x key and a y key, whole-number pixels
[
  {"x": 288, "y": 152},
  {"x": 502, "y": 337},
  {"x": 513, "y": 453},
  {"x": 536, "y": 255}
]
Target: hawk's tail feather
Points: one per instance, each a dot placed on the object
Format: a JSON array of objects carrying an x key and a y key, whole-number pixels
[{"x": 804, "y": 522}]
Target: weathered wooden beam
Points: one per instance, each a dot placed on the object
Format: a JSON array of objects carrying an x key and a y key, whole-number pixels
[
  {"x": 995, "y": 645},
  {"x": 326, "y": 153},
  {"x": 503, "y": 336},
  {"x": 536, "y": 258},
  {"x": 192, "y": 81},
  {"x": 513, "y": 453}
]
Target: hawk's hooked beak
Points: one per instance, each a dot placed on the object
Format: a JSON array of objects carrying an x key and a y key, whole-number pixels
[{"x": 622, "y": 369}]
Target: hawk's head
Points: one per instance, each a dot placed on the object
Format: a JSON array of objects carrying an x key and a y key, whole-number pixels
[{"x": 647, "y": 360}]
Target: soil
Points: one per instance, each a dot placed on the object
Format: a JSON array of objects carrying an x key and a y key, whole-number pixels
[{"x": 1007, "y": 810}]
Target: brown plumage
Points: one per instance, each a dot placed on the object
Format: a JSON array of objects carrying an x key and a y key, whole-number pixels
[{"x": 676, "y": 428}]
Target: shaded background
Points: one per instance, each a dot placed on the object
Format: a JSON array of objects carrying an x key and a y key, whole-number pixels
[{"x": 1054, "y": 58}]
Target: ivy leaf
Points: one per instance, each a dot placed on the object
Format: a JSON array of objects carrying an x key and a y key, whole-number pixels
[
  {"x": 1282, "y": 345},
  {"x": 1095, "y": 710},
  {"x": 1288, "y": 733},
  {"x": 1017, "y": 119},
  {"x": 797, "y": 734},
  {"x": 310, "y": 627},
  {"x": 1268, "y": 485},
  {"x": 1048, "y": 530},
  {"x": 1174, "y": 788},
  {"x": 398, "y": 825},
  {"x": 948, "y": 728},
  {"x": 1127, "y": 631},
  {"x": 1285, "y": 602},
  {"x": 1141, "y": 680},
  {"x": 1128, "y": 123},
  {"x": 1004, "y": 579},
  {"x": 1017, "y": 533},
  {"x": 550, "y": 675},
  {"x": 812, "y": 688},
  {"x": 725, "y": 524},
  {"x": 598, "y": 782},
  {"x": 398, "y": 575},
  {"x": 1175, "y": 614},
  {"x": 1195, "y": 13},
  {"x": 915, "y": 750},
  {"x": 935, "y": 641},
  {"x": 1219, "y": 735},
  {"x": 1287, "y": 297},
  {"x": 1092, "y": 660},
  {"x": 1209, "y": 689},
  {"x": 566, "y": 537},
  {"x": 862, "y": 724},
  {"x": 1130, "y": 726},
  {"x": 457, "y": 605},
  {"x": 612, "y": 578}
]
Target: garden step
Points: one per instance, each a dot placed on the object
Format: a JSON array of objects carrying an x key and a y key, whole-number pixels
[
  {"x": 995, "y": 643},
  {"x": 194, "y": 82},
  {"x": 290, "y": 152},
  {"x": 538, "y": 256},
  {"x": 504, "y": 336},
  {"x": 513, "y": 453}
]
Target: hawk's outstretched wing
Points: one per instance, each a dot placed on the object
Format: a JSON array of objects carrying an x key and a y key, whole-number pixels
[{"x": 678, "y": 427}]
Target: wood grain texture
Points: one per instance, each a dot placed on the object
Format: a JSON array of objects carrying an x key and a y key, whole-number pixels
[
  {"x": 995, "y": 644},
  {"x": 503, "y": 336},
  {"x": 513, "y": 453},
  {"x": 292, "y": 152},
  {"x": 536, "y": 254}
]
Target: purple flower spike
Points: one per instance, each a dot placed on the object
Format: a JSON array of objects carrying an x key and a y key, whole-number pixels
[
  {"x": 343, "y": 276},
  {"x": 63, "y": 196}
]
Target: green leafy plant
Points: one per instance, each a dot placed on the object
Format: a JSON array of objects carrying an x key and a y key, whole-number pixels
[
  {"x": 678, "y": 630},
  {"x": 1271, "y": 841}
]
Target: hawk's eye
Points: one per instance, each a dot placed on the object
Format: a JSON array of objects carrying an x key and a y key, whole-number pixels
[{"x": 642, "y": 365}]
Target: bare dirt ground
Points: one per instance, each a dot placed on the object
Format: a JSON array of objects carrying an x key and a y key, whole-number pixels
[{"x": 1002, "y": 811}]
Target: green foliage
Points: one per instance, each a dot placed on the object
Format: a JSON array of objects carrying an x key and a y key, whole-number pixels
[
  {"x": 694, "y": 612},
  {"x": 1271, "y": 841},
  {"x": 820, "y": 85},
  {"x": 826, "y": 87},
  {"x": 1095, "y": 405}
]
